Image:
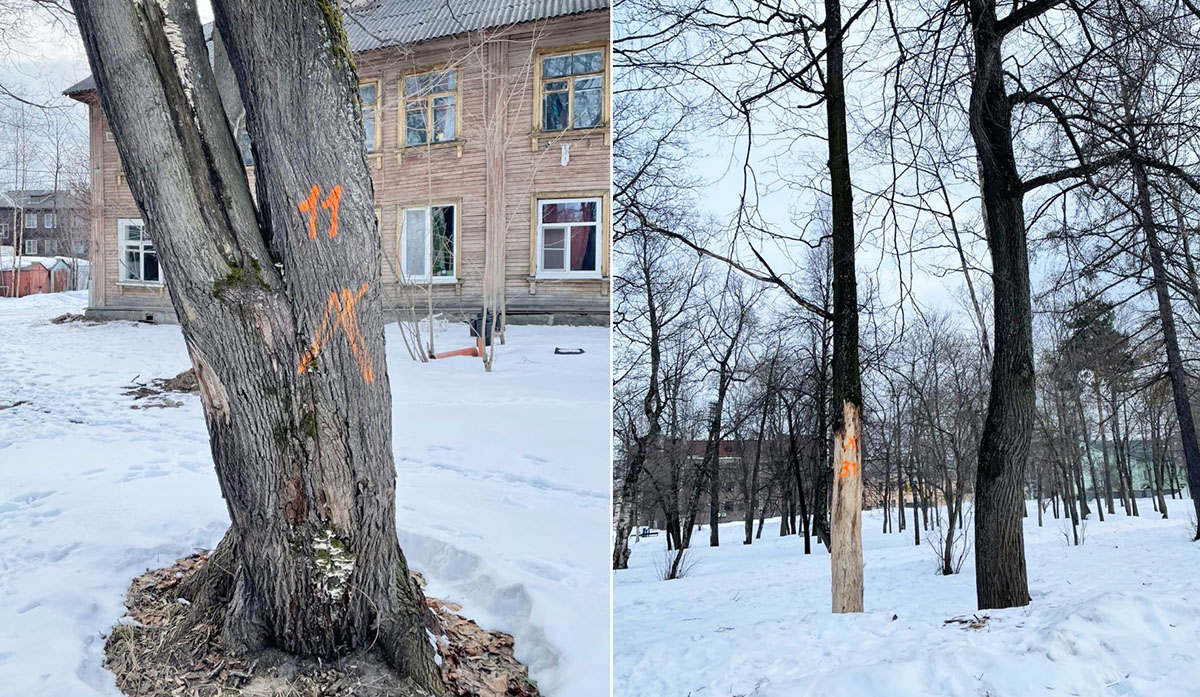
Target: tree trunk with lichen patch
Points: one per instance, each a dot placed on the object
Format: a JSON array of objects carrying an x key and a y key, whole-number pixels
[{"x": 280, "y": 303}]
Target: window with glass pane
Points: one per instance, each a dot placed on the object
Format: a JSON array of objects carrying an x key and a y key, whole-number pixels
[
  {"x": 30, "y": 220},
  {"x": 568, "y": 238},
  {"x": 573, "y": 90},
  {"x": 139, "y": 261},
  {"x": 368, "y": 96},
  {"x": 48, "y": 221},
  {"x": 427, "y": 243},
  {"x": 431, "y": 107}
]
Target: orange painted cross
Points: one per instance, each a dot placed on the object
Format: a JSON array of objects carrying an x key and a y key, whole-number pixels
[{"x": 339, "y": 312}]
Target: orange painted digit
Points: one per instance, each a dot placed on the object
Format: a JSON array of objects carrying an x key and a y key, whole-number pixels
[
  {"x": 309, "y": 205},
  {"x": 849, "y": 468},
  {"x": 333, "y": 201}
]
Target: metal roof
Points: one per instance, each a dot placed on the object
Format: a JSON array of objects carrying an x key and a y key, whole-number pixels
[
  {"x": 38, "y": 199},
  {"x": 372, "y": 24},
  {"x": 385, "y": 23}
]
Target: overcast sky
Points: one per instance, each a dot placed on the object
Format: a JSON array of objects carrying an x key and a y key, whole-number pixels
[{"x": 40, "y": 56}]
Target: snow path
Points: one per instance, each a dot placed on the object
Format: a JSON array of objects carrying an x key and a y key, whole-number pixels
[
  {"x": 502, "y": 482},
  {"x": 1119, "y": 616}
]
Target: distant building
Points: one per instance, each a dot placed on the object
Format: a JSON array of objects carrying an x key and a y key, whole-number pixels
[
  {"x": 43, "y": 222},
  {"x": 437, "y": 80}
]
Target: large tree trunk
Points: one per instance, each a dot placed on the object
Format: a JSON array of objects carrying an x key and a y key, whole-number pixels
[
  {"x": 1000, "y": 575},
  {"x": 1166, "y": 315},
  {"x": 846, "y": 511},
  {"x": 284, "y": 326}
]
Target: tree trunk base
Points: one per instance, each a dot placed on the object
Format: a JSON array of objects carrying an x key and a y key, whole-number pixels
[{"x": 173, "y": 641}]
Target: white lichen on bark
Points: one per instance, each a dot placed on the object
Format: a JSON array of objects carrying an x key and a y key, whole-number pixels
[{"x": 334, "y": 562}]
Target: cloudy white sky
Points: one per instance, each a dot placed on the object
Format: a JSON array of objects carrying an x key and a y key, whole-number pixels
[{"x": 40, "y": 56}]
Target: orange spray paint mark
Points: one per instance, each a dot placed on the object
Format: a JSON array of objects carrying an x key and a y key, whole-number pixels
[
  {"x": 339, "y": 312},
  {"x": 332, "y": 201},
  {"x": 849, "y": 467},
  {"x": 309, "y": 205}
]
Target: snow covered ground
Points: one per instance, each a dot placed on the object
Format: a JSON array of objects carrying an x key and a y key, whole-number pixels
[
  {"x": 1118, "y": 616},
  {"x": 503, "y": 490}
]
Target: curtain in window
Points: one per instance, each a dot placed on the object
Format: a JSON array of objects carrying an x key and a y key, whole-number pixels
[
  {"x": 583, "y": 248},
  {"x": 416, "y": 252}
]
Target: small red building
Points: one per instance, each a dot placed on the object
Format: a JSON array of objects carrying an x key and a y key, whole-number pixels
[{"x": 37, "y": 275}]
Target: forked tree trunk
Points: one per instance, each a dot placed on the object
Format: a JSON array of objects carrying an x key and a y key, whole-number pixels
[
  {"x": 846, "y": 506},
  {"x": 280, "y": 307},
  {"x": 1000, "y": 575}
]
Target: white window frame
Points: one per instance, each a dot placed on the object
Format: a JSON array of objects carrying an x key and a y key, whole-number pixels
[
  {"x": 30, "y": 221},
  {"x": 376, "y": 112},
  {"x": 50, "y": 248},
  {"x": 30, "y": 247},
  {"x": 417, "y": 280},
  {"x": 568, "y": 273},
  {"x": 48, "y": 221},
  {"x": 124, "y": 245}
]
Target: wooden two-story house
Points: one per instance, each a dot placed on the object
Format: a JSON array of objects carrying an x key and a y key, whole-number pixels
[{"x": 483, "y": 120}]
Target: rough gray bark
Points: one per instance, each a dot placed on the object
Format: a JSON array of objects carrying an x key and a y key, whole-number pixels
[
  {"x": 1000, "y": 575},
  {"x": 282, "y": 317}
]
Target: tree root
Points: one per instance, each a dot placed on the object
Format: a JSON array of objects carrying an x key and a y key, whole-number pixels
[{"x": 173, "y": 642}]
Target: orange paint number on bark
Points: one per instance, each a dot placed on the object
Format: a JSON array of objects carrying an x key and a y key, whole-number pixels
[{"x": 332, "y": 202}]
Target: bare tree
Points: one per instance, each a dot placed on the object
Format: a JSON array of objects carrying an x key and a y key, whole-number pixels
[{"x": 280, "y": 304}]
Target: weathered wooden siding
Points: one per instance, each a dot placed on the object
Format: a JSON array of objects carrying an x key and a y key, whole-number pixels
[{"x": 443, "y": 173}]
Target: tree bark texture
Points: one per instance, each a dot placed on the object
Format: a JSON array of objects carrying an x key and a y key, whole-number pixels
[
  {"x": 1000, "y": 574},
  {"x": 280, "y": 306}
]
